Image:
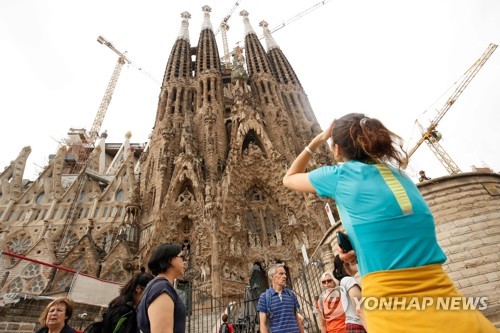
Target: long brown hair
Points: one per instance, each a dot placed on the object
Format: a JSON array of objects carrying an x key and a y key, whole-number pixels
[{"x": 367, "y": 140}]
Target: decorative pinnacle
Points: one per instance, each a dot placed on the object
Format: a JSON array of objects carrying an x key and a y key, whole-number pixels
[
  {"x": 246, "y": 23},
  {"x": 206, "y": 18},
  {"x": 271, "y": 43},
  {"x": 184, "y": 33}
]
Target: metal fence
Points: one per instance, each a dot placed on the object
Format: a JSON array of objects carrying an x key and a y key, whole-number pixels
[{"x": 205, "y": 311}]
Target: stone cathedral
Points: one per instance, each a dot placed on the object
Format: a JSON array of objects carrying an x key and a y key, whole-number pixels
[{"x": 210, "y": 178}]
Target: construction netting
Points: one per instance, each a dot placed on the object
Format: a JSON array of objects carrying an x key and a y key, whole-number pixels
[{"x": 21, "y": 277}]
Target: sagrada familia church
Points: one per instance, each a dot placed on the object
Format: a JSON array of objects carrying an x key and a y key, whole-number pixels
[{"x": 209, "y": 178}]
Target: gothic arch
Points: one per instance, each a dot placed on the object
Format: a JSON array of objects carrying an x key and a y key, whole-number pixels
[
  {"x": 258, "y": 279},
  {"x": 185, "y": 192},
  {"x": 253, "y": 139}
]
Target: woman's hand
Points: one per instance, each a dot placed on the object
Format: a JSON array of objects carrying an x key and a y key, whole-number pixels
[
  {"x": 348, "y": 257},
  {"x": 324, "y": 136}
]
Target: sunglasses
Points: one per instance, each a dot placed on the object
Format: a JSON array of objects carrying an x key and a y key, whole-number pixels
[{"x": 326, "y": 281}]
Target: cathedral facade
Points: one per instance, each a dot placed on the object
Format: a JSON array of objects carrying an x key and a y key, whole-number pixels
[{"x": 210, "y": 179}]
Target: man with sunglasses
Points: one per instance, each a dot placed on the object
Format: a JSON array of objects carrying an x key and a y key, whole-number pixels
[{"x": 331, "y": 313}]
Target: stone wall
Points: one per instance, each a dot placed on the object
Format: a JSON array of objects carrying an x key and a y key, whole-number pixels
[{"x": 466, "y": 209}]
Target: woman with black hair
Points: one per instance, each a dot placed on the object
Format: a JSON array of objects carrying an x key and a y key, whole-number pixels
[
  {"x": 161, "y": 310},
  {"x": 121, "y": 316},
  {"x": 344, "y": 272}
]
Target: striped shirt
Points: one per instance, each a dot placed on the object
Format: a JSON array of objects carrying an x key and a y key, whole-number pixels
[{"x": 282, "y": 310}]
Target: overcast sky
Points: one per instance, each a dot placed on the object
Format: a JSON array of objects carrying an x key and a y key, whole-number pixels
[{"x": 390, "y": 59}]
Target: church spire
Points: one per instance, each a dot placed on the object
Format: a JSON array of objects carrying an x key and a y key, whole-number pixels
[
  {"x": 184, "y": 32},
  {"x": 270, "y": 42},
  {"x": 257, "y": 61},
  {"x": 281, "y": 68}
]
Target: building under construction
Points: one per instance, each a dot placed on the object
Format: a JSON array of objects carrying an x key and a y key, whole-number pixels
[{"x": 209, "y": 179}]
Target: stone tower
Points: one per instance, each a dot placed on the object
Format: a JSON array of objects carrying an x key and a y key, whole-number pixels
[{"x": 222, "y": 141}]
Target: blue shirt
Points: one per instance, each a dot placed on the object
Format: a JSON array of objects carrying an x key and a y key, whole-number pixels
[
  {"x": 154, "y": 289},
  {"x": 282, "y": 310},
  {"x": 386, "y": 218}
]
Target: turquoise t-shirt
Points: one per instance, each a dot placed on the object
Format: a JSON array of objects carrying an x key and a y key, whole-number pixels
[{"x": 386, "y": 218}]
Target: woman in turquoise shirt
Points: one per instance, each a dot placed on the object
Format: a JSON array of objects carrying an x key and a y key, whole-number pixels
[{"x": 389, "y": 225}]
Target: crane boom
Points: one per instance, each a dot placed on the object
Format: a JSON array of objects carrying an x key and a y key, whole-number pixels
[
  {"x": 99, "y": 118},
  {"x": 468, "y": 76},
  {"x": 429, "y": 135}
]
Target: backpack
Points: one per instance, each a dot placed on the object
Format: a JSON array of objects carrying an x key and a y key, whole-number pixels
[
  {"x": 224, "y": 328},
  {"x": 95, "y": 327},
  {"x": 98, "y": 326}
]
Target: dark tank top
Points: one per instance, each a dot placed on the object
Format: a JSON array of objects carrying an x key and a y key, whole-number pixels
[{"x": 154, "y": 289}]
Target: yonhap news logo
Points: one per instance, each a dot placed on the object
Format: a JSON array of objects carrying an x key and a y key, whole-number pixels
[{"x": 334, "y": 302}]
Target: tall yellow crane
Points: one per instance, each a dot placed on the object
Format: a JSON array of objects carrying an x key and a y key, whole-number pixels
[
  {"x": 430, "y": 135},
  {"x": 91, "y": 137}
]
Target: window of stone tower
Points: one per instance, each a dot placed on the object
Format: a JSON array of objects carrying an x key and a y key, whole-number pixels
[
  {"x": 292, "y": 99},
  {"x": 209, "y": 90},
  {"x": 16, "y": 286},
  {"x": 37, "y": 214},
  {"x": 104, "y": 212},
  {"x": 181, "y": 100},
  {"x": 39, "y": 198},
  {"x": 105, "y": 240},
  {"x": 31, "y": 270},
  {"x": 119, "y": 195},
  {"x": 64, "y": 281},
  {"x": 36, "y": 285},
  {"x": 1, "y": 213},
  {"x": 19, "y": 244},
  {"x": 81, "y": 196}
]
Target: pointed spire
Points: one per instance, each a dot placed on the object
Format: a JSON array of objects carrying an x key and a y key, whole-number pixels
[
  {"x": 206, "y": 18},
  {"x": 246, "y": 23},
  {"x": 184, "y": 33},
  {"x": 271, "y": 43}
]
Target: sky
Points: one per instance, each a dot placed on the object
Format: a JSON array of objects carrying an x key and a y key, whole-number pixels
[{"x": 395, "y": 60}]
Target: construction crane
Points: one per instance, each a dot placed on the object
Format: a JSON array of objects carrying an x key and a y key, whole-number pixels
[
  {"x": 430, "y": 135},
  {"x": 283, "y": 24},
  {"x": 85, "y": 153},
  {"x": 224, "y": 27}
]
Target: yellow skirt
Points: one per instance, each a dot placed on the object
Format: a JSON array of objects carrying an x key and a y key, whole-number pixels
[{"x": 421, "y": 299}]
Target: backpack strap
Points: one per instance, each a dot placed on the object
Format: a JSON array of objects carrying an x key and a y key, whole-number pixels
[
  {"x": 268, "y": 302},
  {"x": 120, "y": 322}
]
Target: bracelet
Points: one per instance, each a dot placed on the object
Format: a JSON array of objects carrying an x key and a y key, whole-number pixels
[{"x": 313, "y": 154}]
